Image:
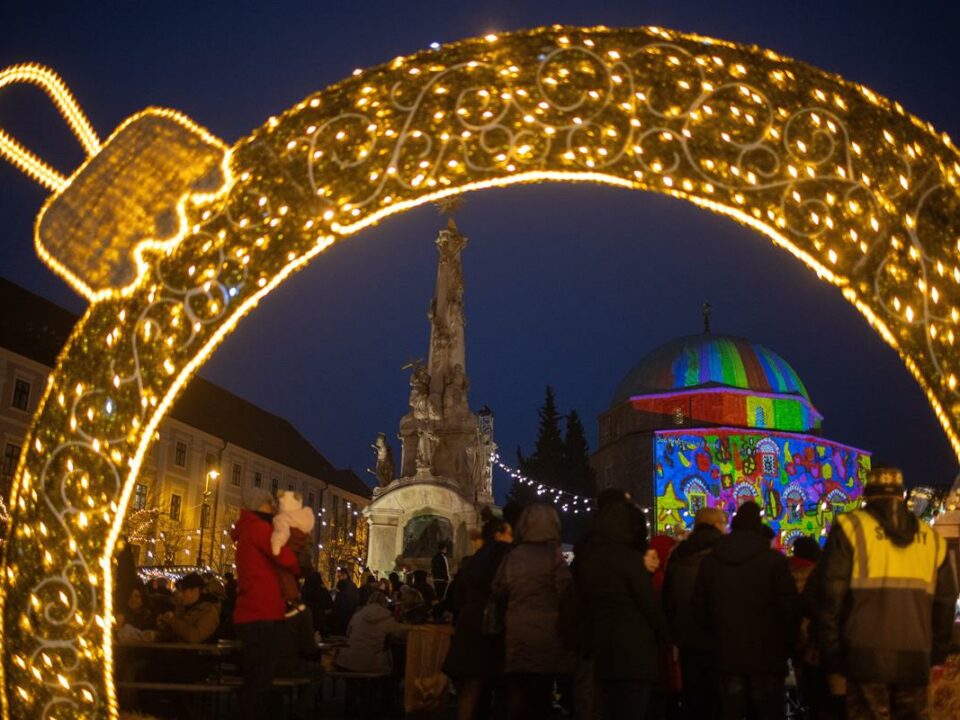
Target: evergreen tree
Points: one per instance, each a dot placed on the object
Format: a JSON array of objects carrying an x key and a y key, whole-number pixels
[
  {"x": 580, "y": 477},
  {"x": 546, "y": 465},
  {"x": 520, "y": 495}
]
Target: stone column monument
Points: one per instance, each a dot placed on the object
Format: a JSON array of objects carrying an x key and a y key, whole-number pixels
[{"x": 445, "y": 473}]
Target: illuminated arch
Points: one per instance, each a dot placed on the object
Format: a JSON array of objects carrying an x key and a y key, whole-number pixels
[{"x": 854, "y": 187}]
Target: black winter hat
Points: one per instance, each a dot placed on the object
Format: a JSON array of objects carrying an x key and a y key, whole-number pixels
[{"x": 747, "y": 518}]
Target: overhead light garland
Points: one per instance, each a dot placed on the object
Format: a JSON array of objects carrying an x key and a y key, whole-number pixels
[
  {"x": 174, "y": 237},
  {"x": 565, "y": 500}
]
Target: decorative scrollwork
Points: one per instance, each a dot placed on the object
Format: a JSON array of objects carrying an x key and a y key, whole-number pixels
[{"x": 861, "y": 192}]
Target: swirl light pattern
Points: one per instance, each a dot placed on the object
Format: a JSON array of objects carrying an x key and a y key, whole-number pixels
[{"x": 848, "y": 182}]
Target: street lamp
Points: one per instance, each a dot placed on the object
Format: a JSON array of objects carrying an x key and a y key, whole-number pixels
[{"x": 212, "y": 474}]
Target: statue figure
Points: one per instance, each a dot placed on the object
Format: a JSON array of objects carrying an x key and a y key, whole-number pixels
[
  {"x": 455, "y": 390},
  {"x": 480, "y": 455},
  {"x": 420, "y": 392},
  {"x": 427, "y": 441},
  {"x": 385, "y": 467}
]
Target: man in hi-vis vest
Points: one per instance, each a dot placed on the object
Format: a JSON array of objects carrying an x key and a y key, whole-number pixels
[{"x": 886, "y": 604}]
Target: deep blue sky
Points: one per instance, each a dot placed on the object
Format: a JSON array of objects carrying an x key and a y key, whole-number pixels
[{"x": 565, "y": 285}]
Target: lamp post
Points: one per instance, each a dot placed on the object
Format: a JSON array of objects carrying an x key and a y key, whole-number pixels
[{"x": 212, "y": 474}]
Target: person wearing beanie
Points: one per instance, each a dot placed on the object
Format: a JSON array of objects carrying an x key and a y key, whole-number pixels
[
  {"x": 196, "y": 618},
  {"x": 886, "y": 604},
  {"x": 747, "y": 603},
  {"x": 259, "y": 607}
]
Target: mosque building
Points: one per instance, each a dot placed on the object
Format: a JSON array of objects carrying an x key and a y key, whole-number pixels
[{"x": 715, "y": 420}]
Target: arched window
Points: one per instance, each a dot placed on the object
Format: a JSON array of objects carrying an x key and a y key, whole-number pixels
[{"x": 768, "y": 452}]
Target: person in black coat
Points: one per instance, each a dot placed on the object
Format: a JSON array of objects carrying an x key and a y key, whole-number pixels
[
  {"x": 440, "y": 571},
  {"x": 620, "y": 611},
  {"x": 475, "y": 659},
  {"x": 345, "y": 604},
  {"x": 316, "y": 597},
  {"x": 699, "y": 681},
  {"x": 746, "y": 600}
]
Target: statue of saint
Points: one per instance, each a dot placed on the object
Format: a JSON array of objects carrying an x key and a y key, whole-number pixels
[
  {"x": 420, "y": 393},
  {"x": 480, "y": 456},
  {"x": 427, "y": 441},
  {"x": 385, "y": 467}
]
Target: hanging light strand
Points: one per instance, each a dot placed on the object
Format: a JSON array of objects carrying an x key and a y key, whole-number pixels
[{"x": 564, "y": 500}]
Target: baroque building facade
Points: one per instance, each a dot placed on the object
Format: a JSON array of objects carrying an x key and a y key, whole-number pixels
[{"x": 210, "y": 448}]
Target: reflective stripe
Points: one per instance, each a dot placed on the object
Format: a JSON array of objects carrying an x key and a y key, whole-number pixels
[
  {"x": 892, "y": 582},
  {"x": 860, "y": 553}
]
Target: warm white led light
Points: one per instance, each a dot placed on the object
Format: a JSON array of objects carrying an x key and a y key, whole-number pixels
[{"x": 844, "y": 180}]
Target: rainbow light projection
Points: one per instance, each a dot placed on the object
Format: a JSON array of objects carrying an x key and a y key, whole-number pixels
[
  {"x": 698, "y": 360},
  {"x": 849, "y": 183},
  {"x": 800, "y": 482}
]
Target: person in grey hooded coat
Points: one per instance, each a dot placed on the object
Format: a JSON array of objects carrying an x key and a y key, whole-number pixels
[
  {"x": 531, "y": 581},
  {"x": 367, "y": 649}
]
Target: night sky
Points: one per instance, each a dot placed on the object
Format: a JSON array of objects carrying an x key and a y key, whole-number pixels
[{"x": 565, "y": 285}]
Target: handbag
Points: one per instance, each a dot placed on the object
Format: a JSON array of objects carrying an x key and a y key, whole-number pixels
[{"x": 493, "y": 622}]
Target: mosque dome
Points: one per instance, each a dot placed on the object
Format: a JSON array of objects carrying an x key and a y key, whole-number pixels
[{"x": 709, "y": 360}]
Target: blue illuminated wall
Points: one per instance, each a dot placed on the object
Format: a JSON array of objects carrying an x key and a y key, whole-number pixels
[{"x": 802, "y": 482}]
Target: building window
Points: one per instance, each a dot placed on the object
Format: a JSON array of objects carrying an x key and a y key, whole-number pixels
[
  {"x": 769, "y": 464},
  {"x": 696, "y": 503},
  {"x": 258, "y": 479},
  {"x": 760, "y": 419},
  {"x": 237, "y": 474},
  {"x": 21, "y": 394},
  {"x": 275, "y": 484},
  {"x": 175, "y": 507},
  {"x": 290, "y": 486},
  {"x": 180, "y": 457},
  {"x": 11, "y": 455},
  {"x": 205, "y": 516},
  {"x": 210, "y": 463},
  {"x": 310, "y": 500},
  {"x": 140, "y": 497}
]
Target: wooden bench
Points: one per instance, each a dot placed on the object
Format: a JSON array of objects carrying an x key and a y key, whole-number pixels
[
  {"x": 215, "y": 691},
  {"x": 288, "y": 687}
]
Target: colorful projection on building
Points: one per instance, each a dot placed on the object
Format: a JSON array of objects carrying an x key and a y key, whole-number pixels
[{"x": 801, "y": 482}]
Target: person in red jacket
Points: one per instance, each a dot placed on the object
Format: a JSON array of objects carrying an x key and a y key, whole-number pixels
[{"x": 260, "y": 608}]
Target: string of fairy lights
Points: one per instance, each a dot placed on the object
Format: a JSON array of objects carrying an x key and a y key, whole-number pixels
[{"x": 564, "y": 500}]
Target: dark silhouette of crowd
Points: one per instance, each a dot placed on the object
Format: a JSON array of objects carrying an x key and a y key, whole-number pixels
[{"x": 719, "y": 626}]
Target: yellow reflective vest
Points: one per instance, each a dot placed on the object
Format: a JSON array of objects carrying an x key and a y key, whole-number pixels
[
  {"x": 886, "y": 615},
  {"x": 879, "y": 563}
]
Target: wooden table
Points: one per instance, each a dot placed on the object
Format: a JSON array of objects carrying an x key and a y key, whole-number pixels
[{"x": 216, "y": 649}]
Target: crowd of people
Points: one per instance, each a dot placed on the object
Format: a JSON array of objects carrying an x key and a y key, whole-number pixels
[
  {"x": 715, "y": 626},
  {"x": 720, "y": 626}
]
